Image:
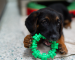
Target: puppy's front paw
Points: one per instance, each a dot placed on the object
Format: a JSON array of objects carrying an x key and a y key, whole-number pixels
[
  {"x": 27, "y": 41},
  {"x": 62, "y": 49}
]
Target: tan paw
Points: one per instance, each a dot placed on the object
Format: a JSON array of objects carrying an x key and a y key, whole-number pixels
[
  {"x": 27, "y": 41},
  {"x": 62, "y": 49}
]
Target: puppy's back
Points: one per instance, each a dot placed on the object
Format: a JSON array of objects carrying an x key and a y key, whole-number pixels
[{"x": 63, "y": 10}]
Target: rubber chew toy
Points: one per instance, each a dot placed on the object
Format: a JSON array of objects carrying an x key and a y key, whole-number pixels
[{"x": 36, "y": 53}]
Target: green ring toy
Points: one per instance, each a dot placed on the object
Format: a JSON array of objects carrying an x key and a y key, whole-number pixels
[{"x": 36, "y": 53}]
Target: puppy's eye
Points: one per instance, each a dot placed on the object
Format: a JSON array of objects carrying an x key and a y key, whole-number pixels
[
  {"x": 44, "y": 22},
  {"x": 58, "y": 22}
]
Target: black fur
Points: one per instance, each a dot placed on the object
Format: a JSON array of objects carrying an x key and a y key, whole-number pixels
[
  {"x": 63, "y": 10},
  {"x": 51, "y": 28}
]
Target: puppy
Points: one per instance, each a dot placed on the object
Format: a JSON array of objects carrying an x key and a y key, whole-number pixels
[
  {"x": 49, "y": 23},
  {"x": 64, "y": 11}
]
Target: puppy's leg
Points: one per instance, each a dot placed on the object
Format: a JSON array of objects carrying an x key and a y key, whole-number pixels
[
  {"x": 67, "y": 24},
  {"x": 27, "y": 41},
  {"x": 62, "y": 47}
]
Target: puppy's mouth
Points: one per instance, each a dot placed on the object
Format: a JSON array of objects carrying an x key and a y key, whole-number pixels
[{"x": 46, "y": 42}]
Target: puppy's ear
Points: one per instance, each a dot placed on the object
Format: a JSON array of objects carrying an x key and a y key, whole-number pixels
[
  {"x": 31, "y": 22},
  {"x": 61, "y": 23}
]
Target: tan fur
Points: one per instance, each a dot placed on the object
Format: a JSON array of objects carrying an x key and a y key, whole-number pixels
[
  {"x": 62, "y": 45},
  {"x": 47, "y": 17},
  {"x": 68, "y": 25},
  {"x": 27, "y": 41},
  {"x": 57, "y": 18}
]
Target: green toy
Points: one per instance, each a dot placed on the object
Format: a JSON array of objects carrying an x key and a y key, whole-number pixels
[{"x": 36, "y": 53}]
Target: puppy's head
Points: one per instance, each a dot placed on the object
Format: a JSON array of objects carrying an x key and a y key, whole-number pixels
[{"x": 47, "y": 22}]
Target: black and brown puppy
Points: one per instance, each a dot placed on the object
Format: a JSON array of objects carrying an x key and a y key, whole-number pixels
[
  {"x": 49, "y": 23},
  {"x": 64, "y": 11}
]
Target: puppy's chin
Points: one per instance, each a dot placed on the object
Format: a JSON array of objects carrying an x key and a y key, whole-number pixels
[{"x": 47, "y": 43}]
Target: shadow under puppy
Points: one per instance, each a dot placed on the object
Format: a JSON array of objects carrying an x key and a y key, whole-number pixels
[{"x": 49, "y": 23}]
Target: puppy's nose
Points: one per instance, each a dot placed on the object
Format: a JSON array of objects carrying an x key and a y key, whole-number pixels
[{"x": 54, "y": 37}]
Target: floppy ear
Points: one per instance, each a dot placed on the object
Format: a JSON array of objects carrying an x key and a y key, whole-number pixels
[
  {"x": 61, "y": 23},
  {"x": 31, "y": 22}
]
